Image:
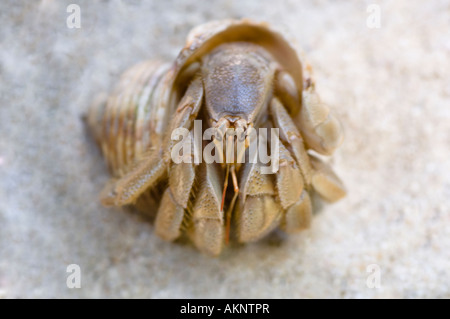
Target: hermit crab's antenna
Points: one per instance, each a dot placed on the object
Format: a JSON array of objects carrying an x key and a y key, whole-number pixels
[
  {"x": 233, "y": 201},
  {"x": 225, "y": 186},
  {"x": 229, "y": 167}
]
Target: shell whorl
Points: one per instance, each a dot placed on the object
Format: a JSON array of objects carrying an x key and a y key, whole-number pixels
[{"x": 128, "y": 122}]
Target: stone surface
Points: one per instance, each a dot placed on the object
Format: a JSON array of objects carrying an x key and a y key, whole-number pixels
[{"x": 389, "y": 85}]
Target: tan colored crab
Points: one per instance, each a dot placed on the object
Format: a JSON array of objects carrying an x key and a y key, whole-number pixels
[{"x": 231, "y": 74}]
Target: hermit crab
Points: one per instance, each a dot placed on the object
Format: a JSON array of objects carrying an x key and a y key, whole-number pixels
[{"x": 232, "y": 74}]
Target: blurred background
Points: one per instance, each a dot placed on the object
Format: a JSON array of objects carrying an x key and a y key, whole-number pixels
[{"x": 381, "y": 65}]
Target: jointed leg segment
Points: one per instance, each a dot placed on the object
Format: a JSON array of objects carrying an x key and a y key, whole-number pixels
[{"x": 151, "y": 167}]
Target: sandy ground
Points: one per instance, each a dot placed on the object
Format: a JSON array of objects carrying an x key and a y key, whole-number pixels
[{"x": 389, "y": 86}]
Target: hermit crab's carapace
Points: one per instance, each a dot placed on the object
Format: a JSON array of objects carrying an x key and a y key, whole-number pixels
[{"x": 236, "y": 75}]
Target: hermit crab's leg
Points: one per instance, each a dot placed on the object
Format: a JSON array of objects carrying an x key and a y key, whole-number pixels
[
  {"x": 293, "y": 198},
  {"x": 320, "y": 128},
  {"x": 325, "y": 181},
  {"x": 290, "y": 184},
  {"x": 257, "y": 211},
  {"x": 175, "y": 199},
  {"x": 289, "y": 179},
  {"x": 291, "y": 136},
  {"x": 207, "y": 225},
  {"x": 119, "y": 192},
  {"x": 299, "y": 215},
  {"x": 260, "y": 210},
  {"x": 286, "y": 90},
  {"x": 319, "y": 175},
  {"x": 169, "y": 217},
  {"x": 151, "y": 167}
]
